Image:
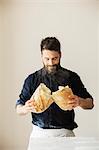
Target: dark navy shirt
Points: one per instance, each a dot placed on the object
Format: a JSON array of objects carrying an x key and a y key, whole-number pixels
[{"x": 53, "y": 117}]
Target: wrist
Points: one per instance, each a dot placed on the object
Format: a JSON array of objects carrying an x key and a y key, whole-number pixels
[
  {"x": 80, "y": 102},
  {"x": 21, "y": 110}
]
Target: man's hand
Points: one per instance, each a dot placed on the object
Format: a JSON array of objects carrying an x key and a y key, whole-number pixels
[
  {"x": 29, "y": 106},
  {"x": 73, "y": 101},
  {"x": 85, "y": 103}
]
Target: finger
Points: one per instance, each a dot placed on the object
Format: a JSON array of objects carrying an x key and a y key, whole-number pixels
[
  {"x": 71, "y": 96},
  {"x": 30, "y": 103},
  {"x": 31, "y": 100},
  {"x": 71, "y": 102},
  {"x": 27, "y": 102}
]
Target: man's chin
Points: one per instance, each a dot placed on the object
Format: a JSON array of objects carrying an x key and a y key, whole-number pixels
[{"x": 51, "y": 70}]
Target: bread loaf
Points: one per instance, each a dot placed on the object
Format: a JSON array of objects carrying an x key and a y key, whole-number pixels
[
  {"x": 42, "y": 97},
  {"x": 61, "y": 97}
]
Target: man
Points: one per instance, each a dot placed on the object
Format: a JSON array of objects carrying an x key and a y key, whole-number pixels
[{"x": 53, "y": 121}]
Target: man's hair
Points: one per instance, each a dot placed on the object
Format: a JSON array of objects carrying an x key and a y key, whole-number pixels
[{"x": 51, "y": 43}]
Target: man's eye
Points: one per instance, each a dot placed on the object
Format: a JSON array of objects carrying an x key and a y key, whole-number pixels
[
  {"x": 47, "y": 59},
  {"x": 55, "y": 58}
]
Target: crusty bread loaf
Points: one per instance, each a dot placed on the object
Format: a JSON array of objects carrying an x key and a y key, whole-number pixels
[
  {"x": 42, "y": 97},
  {"x": 61, "y": 97}
]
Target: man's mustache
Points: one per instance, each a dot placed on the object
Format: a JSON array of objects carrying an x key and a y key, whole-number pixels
[{"x": 51, "y": 65}]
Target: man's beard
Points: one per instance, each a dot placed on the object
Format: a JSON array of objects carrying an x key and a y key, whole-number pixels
[{"x": 51, "y": 69}]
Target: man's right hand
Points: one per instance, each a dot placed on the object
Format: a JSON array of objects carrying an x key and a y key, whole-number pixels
[{"x": 27, "y": 108}]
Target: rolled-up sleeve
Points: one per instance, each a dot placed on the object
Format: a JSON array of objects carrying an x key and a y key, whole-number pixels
[
  {"x": 26, "y": 92},
  {"x": 79, "y": 88}
]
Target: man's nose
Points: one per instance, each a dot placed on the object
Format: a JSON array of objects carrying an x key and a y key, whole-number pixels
[{"x": 51, "y": 62}]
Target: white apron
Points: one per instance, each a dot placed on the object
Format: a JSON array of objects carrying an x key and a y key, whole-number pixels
[{"x": 43, "y": 133}]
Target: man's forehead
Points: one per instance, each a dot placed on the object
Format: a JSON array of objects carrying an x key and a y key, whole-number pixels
[{"x": 50, "y": 52}]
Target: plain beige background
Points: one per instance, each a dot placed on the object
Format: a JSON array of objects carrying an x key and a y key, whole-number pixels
[{"x": 23, "y": 24}]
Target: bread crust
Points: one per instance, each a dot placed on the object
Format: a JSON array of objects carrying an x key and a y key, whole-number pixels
[
  {"x": 42, "y": 97},
  {"x": 61, "y": 97}
]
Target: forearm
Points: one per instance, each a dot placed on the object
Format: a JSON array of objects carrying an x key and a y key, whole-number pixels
[{"x": 86, "y": 103}]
